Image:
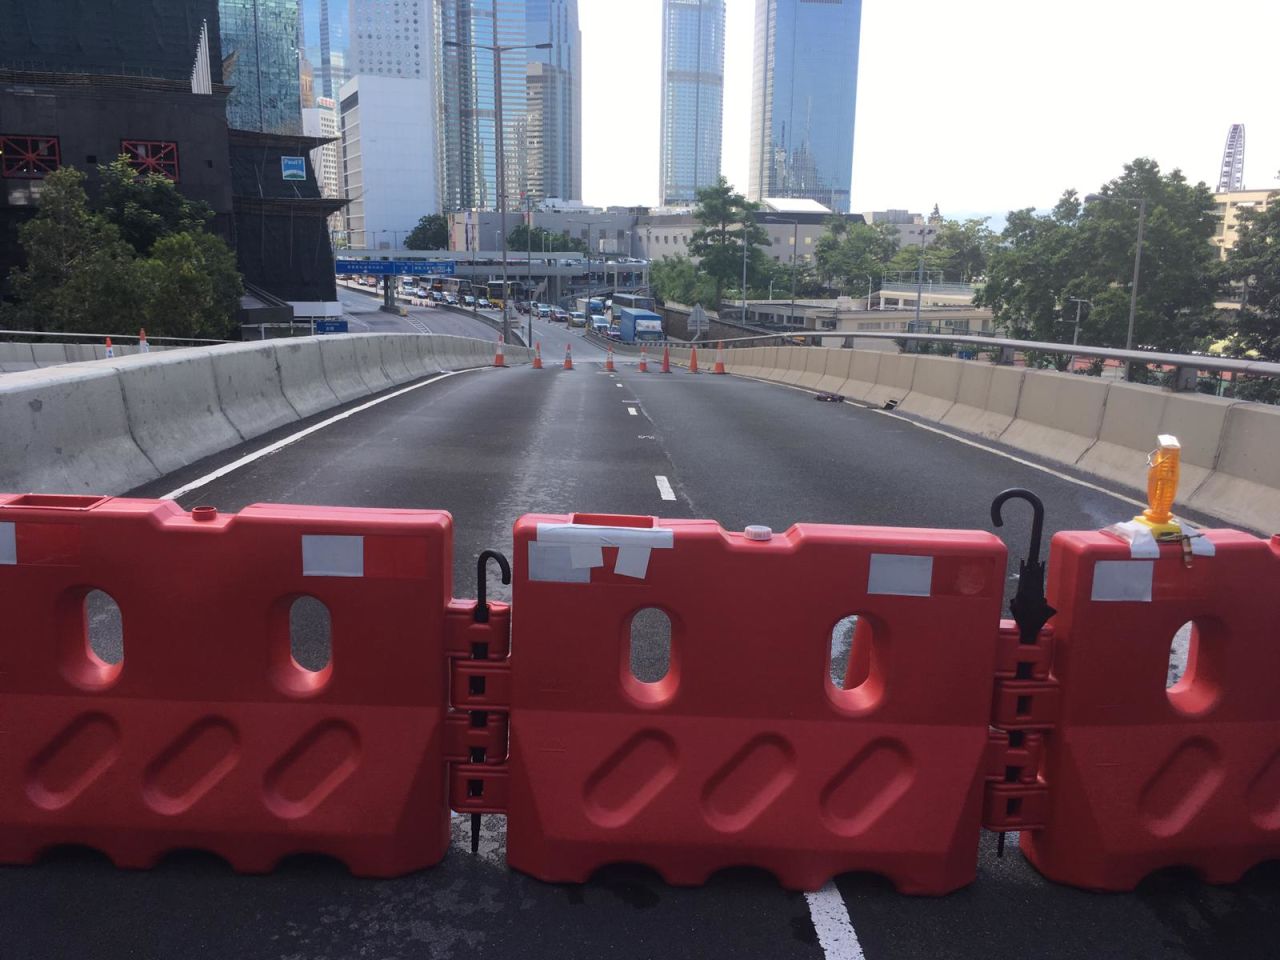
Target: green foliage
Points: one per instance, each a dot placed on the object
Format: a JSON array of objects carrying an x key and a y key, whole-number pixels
[
  {"x": 678, "y": 280},
  {"x": 147, "y": 207},
  {"x": 82, "y": 275},
  {"x": 727, "y": 223},
  {"x": 431, "y": 233},
  {"x": 1077, "y": 251},
  {"x": 1254, "y": 263},
  {"x": 849, "y": 255},
  {"x": 522, "y": 238}
]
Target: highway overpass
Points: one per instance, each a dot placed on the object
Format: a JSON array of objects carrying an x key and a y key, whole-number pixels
[{"x": 489, "y": 445}]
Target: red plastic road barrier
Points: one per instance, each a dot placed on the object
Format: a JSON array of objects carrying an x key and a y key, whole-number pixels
[
  {"x": 537, "y": 355},
  {"x": 208, "y": 734},
  {"x": 745, "y": 753},
  {"x": 110, "y": 350},
  {"x": 666, "y": 359},
  {"x": 1140, "y": 777}
]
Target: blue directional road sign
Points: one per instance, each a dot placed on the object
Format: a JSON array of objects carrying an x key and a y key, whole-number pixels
[
  {"x": 396, "y": 268},
  {"x": 331, "y": 326}
]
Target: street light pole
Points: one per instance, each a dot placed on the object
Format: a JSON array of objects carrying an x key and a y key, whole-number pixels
[
  {"x": 920, "y": 277},
  {"x": 1079, "y": 302},
  {"x": 744, "y": 270},
  {"x": 795, "y": 244},
  {"x": 1137, "y": 265}
]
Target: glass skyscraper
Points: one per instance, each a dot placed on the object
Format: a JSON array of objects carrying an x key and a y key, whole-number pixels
[
  {"x": 804, "y": 92},
  {"x": 554, "y": 100},
  {"x": 541, "y": 101},
  {"x": 326, "y": 40},
  {"x": 692, "y": 97},
  {"x": 260, "y": 50}
]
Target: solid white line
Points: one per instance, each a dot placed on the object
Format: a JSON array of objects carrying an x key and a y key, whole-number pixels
[
  {"x": 295, "y": 437},
  {"x": 831, "y": 921},
  {"x": 664, "y": 488},
  {"x": 632, "y": 411}
]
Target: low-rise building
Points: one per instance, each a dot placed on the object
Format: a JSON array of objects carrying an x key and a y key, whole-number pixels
[{"x": 1229, "y": 208}]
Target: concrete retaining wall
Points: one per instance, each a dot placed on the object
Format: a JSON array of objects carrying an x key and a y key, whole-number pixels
[
  {"x": 1230, "y": 449},
  {"x": 109, "y": 426}
]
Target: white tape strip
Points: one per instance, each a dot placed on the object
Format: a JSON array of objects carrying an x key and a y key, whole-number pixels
[
  {"x": 582, "y": 545},
  {"x": 8, "y": 544},
  {"x": 332, "y": 556},
  {"x": 1122, "y": 580},
  {"x": 1144, "y": 546},
  {"x": 899, "y": 575}
]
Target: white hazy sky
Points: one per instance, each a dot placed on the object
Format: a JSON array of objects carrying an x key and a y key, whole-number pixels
[{"x": 981, "y": 106}]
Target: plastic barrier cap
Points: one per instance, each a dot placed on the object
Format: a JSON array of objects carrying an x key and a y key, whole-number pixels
[{"x": 758, "y": 532}]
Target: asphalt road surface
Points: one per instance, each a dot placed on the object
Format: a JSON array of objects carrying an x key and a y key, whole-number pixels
[{"x": 490, "y": 445}]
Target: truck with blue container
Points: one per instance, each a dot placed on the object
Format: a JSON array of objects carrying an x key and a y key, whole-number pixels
[{"x": 635, "y": 326}]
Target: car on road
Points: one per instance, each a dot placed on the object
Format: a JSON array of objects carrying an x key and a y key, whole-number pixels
[
  {"x": 483, "y": 303},
  {"x": 560, "y": 315},
  {"x": 468, "y": 300},
  {"x": 600, "y": 325},
  {"x": 451, "y": 299},
  {"x": 577, "y": 319},
  {"x": 613, "y": 333},
  {"x": 544, "y": 311}
]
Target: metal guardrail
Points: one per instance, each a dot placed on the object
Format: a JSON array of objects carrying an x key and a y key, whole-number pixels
[{"x": 123, "y": 338}]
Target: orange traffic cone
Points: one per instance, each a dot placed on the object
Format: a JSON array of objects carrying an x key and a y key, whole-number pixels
[
  {"x": 537, "y": 355},
  {"x": 693, "y": 361},
  {"x": 666, "y": 359},
  {"x": 568, "y": 356},
  {"x": 608, "y": 360},
  {"x": 498, "y": 359},
  {"x": 644, "y": 360},
  {"x": 143, "y": 346},
  {"x": 110, "y": 350},
  {"x": 719, "y": 367}
]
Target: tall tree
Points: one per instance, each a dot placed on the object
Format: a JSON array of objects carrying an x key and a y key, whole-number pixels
[
  {"x": 727, "y": 223},
  {"x": 146, "y": 207},
  {"x": 1088, "y": 251},
  {"x": 851, "y": 256},
  {"x": 1254, "y": 263},
  {"x": 431, "y": 233},
  {"x": 538, "y": 239}
]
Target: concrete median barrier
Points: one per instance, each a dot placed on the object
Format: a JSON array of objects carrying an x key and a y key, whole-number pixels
[
  {"x": 67, "y": 431},
  {"x": 173, "y": 406},
  {"x": 49, "y": 354},
  {"x": 249, "y": 388},
  {"x": 815, "y": 363},
  {"x": 766, "y": 364},
  {"x": 863, "y": 369},
  {"x": 342, "y": 368},
  {"x": 986, "y": 399},
  {"x": 302, "y": 378},
  {"x": 791, "y": 364},
  {"x": 16, "y": 357},
  {"x": 369, "y": 363},
  {"x": 1244, "y": 487},
  {"x": 1059, "y": 415},
  {"x": 934, "y": 387},
  {"x": 893, "y": 379},
  {"x": 836, "y": 371},
  {"x": 394, "y": 361}
]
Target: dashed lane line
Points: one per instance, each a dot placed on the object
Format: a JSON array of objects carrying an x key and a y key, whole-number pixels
[
  {"x": 664, "y": 488},
  {"x": 831, "y": 922}
]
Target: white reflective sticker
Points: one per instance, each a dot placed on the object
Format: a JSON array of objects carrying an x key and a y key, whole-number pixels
[
  {"x": 585, "y": 555},
  {"x": 632, "y": 562},
  {"x": 8, "y": 544},
  {"x": 1122, "y": 580},
  {"x": 900, "y": 575},
  {"x": 332, "y": 556},
  {"x": 583, "y": 545},
  {"x": 553, "y": 563}
]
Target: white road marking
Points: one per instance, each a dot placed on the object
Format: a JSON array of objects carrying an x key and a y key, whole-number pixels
[
  {"x": 295, "y": 437},
  {"x": 664, "y": 488},
  {"x": 831, "y": 922},
  {"x": 618, "y": 385},
  {"x": 632, "y": 411}
]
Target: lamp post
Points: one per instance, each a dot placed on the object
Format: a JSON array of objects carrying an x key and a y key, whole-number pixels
[
  {"x": 920, "y": 275},
  {"x": 795, "y": 245},
  {"x": 588, "y": 224},
  {"x": 1137, "y": 263},
  {"x": 500, "y": 136},
  {"x": 870, "y": 283},
  {"x": 1079, "y": 302}
]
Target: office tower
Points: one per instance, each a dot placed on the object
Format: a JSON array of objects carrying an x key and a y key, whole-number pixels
[
  {"x": 692, "y": 97},
  {"x": 803, "y": 97},
  {"x": 325, "y": 41},
  {"x": 260, "y": 49},
  {"x": 553, "y": 166},
  {"x": 390, "y": 38}
]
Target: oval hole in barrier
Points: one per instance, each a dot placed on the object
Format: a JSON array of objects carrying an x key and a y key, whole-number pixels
[
  {"x": 103, "y": 628},
  {"x": 1180, "y": 651},
  {"x": 849, "y": 662},
  {"x": 310, "y": 634},
  {"x": 649, "y": 649},
  {"x": 1193, "y": 674}
]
